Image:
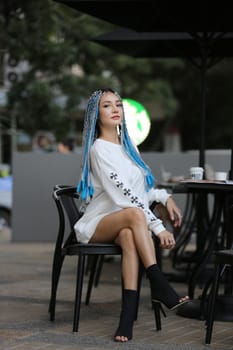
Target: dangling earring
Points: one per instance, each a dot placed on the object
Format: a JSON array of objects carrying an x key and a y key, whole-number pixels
[{"x": 119, "y": 130}]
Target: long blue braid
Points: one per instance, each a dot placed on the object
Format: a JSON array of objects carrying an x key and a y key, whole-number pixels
[{"x": 85, "y": 187}]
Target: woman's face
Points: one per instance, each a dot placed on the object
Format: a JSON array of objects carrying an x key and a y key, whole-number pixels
[{"x": 110, "y": 111}]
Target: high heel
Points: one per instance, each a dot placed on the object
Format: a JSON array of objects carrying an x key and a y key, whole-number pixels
[
  {"x": 157, "y": 309},
  {"x": 128, "y": 311},
  {"x": 161, "y": 291}
]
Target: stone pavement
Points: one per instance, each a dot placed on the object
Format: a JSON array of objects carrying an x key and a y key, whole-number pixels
[{"x": 25, "y": 272}]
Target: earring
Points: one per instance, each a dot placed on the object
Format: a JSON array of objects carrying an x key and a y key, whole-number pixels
[{"x": 118, "y": 130}]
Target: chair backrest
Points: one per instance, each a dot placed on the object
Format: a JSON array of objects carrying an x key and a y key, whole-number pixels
[{"x": 65, "y": 198}]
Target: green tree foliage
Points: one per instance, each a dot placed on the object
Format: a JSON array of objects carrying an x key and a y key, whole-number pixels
[
  {"x": 50, "y": 38},
  {"x": 65, "y": 66},
  {"x": 54, "y": 38}
]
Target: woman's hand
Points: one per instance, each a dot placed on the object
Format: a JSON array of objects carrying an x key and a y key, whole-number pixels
[
  {"x": 167, "y": 240},
  {"x": 174, "y": 212}
]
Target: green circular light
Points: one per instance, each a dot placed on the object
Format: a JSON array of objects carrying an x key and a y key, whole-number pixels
[{"x": 137, "y": 120}]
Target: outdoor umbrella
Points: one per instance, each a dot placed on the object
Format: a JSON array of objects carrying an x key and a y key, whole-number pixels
[
  {"x": 168, "y": 44},
  {"x": 201, "y": 20},
  {"x": 214, "y": 47},
  {"x": 159, "y": 15}
]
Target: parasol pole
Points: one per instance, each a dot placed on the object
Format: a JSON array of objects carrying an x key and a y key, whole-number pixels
[
  {"x": 202, "y": 42},
  {"x": 231, "y": 167},
  {"x": 204, "y": 56},
  {"x": 203, "y": 114}
]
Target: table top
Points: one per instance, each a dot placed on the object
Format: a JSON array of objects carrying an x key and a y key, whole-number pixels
[{"x": 211, "y": 186}]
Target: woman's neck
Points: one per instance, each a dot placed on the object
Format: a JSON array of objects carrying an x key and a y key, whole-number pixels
[{"x": 110, "y": 137}]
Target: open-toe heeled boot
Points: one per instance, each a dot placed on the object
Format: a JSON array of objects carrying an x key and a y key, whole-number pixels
[
  {"x": 161, "y": 290},
  {"x": 128, "y": 312}
]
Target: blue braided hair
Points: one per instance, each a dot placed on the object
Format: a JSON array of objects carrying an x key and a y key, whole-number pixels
[
  {"x": 90, "y": 133},
  {"x": 133, "y": 153}
]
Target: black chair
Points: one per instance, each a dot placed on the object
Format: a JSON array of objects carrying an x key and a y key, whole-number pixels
[
  {"x": 66, "y": 199},
  {"x": 223, "y": 258}
]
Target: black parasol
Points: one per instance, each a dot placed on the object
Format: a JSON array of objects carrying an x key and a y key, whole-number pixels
[
  {"x": 202, "y": 50},
  {"x": 159, "y": 15},
  {"x": 200, "y": 20}
]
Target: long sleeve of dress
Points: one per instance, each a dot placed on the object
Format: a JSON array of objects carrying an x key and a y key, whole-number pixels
[
  {"x": 113, "y": 177},
  {"x": 158, "y": 195}
]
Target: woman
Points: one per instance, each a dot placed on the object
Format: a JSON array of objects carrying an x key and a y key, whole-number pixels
[{"x": 117, "y": 188}]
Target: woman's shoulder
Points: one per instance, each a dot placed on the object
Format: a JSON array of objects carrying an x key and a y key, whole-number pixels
[
  {"x": 98, "y": 146},
  {"x": 105, "y": 147},
  {"x": 106, "y": 152}
]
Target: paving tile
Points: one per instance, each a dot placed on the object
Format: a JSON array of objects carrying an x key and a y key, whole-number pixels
[{"x": 25, "y": 270}]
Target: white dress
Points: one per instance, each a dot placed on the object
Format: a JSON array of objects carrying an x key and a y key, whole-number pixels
[{"x": 118, "y": 184}]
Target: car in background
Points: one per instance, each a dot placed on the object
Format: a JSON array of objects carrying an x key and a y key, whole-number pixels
[{"x": 5, "y": 201}]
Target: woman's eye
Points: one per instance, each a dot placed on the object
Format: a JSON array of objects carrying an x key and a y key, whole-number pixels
[{"x": 117, "y": 105}]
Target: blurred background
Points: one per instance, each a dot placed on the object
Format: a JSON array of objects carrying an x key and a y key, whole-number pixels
[{"x": 49, "y": 66}]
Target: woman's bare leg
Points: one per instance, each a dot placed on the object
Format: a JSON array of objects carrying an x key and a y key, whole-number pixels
[
  {"x": 127, "y": 228},
  {"x": 111, "y": 225},
  {"x": 130, "y": 270},
  {"x": 130, "y": 259}
]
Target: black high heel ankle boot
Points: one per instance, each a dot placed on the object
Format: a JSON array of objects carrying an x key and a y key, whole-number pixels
[
  {"x": 161, "y": 290},
  {"x": 157, "y": 307},
  {"x": 128, "y": 312}
]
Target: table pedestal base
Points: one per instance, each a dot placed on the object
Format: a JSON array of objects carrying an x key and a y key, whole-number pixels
[{"x": 223, "y": 309}]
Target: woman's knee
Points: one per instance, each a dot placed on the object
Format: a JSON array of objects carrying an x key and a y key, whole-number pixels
[
  {"x": 126, "y": 239},
  {"x": 135, "y": 216}
]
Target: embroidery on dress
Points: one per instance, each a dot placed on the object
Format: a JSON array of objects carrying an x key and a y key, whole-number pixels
[
  {"x": 119, "y": 184},
  {"x": 113, "y": 176},
  {"x": 127, "y": 192}
]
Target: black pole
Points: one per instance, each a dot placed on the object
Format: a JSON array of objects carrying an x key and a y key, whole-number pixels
[
  {"x": 231, "y": 166},
  {"x": 203, "y": 42},
  {"x": 203, "y": 114}
]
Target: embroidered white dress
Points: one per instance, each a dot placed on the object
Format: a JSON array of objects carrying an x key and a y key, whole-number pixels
[{"x": 118, "y": 184}]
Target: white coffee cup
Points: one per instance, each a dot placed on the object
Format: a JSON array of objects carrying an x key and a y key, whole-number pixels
[
  {"x": 220, "y": 176},
  {"x": 196, "y": 173},
  {"x": 166, "y": 176}
]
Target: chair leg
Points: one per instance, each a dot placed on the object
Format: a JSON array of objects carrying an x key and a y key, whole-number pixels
[
  {"x": 78, "y": 293},
  {"x": 57, "y": 265},
  {"x": 211, "y": 305},
  {"x": 91, "y": 278},
  {"x": 88, "y": 264},
  {"x": 99, "y": 269}
]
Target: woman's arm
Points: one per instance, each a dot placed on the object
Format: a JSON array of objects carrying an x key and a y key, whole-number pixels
[{"x": 162, "y": 196}]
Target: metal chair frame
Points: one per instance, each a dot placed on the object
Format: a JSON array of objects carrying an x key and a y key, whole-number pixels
[
  {"x": 65, "y": 198},
  {"x": 223, "y": 258}
]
